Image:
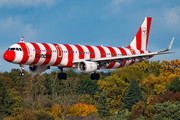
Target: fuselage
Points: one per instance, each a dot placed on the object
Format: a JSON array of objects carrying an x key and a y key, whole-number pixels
[{"x": 62, "y": 55}]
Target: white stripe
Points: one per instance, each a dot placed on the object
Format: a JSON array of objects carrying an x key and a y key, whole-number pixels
[
  {"x": 19, "y": 54},
  {"x": 53, "y": 55},
  {"x": 65, "y": 56},
  {"x": 128, "y": 53},
  {"x": 85, "y": 49},
  {"x": 117, "y": 64},
  {"x": 32, "y": 54},
  {"x": 76, "y": 52},
  {"x": 42, "y": 48},
  {"x": 143, "y": 37}
]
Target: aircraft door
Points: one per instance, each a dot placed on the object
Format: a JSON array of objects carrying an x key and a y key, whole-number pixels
[{"x": 59, "y": 51}]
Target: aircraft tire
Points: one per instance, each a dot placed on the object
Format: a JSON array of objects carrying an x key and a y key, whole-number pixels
[
  {"x": 62, "y": 76},
  {"x": 95, "y": 76}
]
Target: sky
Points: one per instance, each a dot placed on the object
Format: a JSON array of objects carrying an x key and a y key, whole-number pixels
[{"x": 89, "y": 22}]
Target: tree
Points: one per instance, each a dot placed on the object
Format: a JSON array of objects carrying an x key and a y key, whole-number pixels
[
  {"x": 150, "y": 67},
  {"x": 133, "y": 95},
  {"x": 81, "y": 109},
  {"x": 167, "y": 96},
  {"x": 175, "y": 85},
  {"x": 167, "y": 110},
  {"x": 87, "y": 99},
  {"x": 170, "y": 69},
  {"x": 87, "y": 86},
  {"x": 11, "y": 102},
  {"x": 139, "y": 109},
  {"x": 34, "y": 91},
  {"x": 103, "y": 108},
  {"x": 155, "y": 85},
  {"x": 67, "y": 97}
]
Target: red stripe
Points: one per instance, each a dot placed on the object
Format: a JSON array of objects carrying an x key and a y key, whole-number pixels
[
  {"x": 123, "y": 52},
  {"x": 91, "y": 50},
  {"x": 58, "y": 60},
  {"x": 148, "y": 29},
  {"x": 25, "y": 53},
  {"x": 81, "y": 51},
  {"x": 48, "y": 54},
  {"x": 70, "y": 55},
  {"x": 102, "y": 51},
  {"x": 113, "y": 54},
  {"x": 138, "y": 39},
  {"x": 37, "y": 52},
  {"x": 133, "y": 53}
]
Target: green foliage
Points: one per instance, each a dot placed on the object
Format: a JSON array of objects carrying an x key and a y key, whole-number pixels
[
  {"x": 150, "y": 67},
  {"x": 26, "y": 115},
  {"x": 175, "y": 85},
  {"x": 166, "y": 110},
  {"x": 133, "y": 95},
  {"x": 87, "y": 86},
  {"x": 103, "y": 109},
  {"x": 123, "y": 115},
  {"x": 44, "y": 115},
  {"x": 87, "y": 99}
]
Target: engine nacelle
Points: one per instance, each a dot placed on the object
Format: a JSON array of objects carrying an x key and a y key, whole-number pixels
[
  {"x": 87, "y": 66},
  {"x": 38, "y": 69}
]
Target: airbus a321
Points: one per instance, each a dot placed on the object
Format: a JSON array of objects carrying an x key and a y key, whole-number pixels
[{"x": 88, "y": 59}]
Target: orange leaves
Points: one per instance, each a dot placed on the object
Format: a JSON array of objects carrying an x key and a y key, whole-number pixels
[
  {"x": 78, "y": 109},
  {"x": 81, "y": 109},
  {"x": 55, "y": 110}
]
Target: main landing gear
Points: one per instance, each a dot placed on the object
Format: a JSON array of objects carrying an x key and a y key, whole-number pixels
[
  {"x": 22, "y": 70},
  {"x": 62, "y": 75},
  {"x": 95, "y": 76}
]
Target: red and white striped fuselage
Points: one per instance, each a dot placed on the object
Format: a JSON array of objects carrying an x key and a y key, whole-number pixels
[{"x": 63, "y": 55}]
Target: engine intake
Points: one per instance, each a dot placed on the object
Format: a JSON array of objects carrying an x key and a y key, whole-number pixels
[
  {"x": 87, "y": 66},
  {"x": 38, "y": 69}
]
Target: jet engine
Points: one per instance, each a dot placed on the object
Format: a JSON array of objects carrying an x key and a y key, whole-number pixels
[
  {"x": 38, "y": 69},
  {"x": 87, "y": 66}
]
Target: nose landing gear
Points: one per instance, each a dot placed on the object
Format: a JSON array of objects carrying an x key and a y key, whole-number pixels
[
  {"x": 22, "y": 70},
  {"x": 62, "y": 75}
]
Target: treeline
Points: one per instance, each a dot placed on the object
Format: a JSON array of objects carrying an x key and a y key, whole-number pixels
[{"x": 44, "y": 96}]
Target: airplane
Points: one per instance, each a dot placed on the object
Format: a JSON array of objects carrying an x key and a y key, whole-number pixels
[{"x": 88, "y": 59}]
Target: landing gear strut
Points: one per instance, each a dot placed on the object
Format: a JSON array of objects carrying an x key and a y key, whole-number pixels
[
  {"x": 22, "y": 70},
  {"x": 95, "y": 76},
  {"x": 62, "y": 75}
]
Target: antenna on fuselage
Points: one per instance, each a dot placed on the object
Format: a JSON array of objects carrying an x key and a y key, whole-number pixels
[{"x": 22, "y": 39}]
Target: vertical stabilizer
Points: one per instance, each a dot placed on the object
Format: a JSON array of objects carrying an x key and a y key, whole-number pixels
[{"x": 140, "y": 41}]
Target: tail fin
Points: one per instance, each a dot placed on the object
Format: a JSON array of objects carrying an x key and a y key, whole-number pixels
[{"x": 140, "y": 41}]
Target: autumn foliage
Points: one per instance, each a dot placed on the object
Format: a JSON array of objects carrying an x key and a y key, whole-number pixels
[
  {"x": 55, "y": 110},
  {"x": 33, "y": 96},
  {"x": 168, "y": 96},
  {"x": 81, "y": 109}
]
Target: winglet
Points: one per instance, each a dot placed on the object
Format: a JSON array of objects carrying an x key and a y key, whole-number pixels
[
  {"x": 21, "y": 40},
  {"x": 169, "y": 47}
]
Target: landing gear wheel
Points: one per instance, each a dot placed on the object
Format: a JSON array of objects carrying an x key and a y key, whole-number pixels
[
  {"x": 95, "y": 76},
  {"x": 62, "y": 76},
  {"x": 21, "y": 74}
]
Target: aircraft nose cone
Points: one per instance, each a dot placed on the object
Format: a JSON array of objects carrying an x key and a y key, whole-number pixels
[{"x": 9, "y": 55}]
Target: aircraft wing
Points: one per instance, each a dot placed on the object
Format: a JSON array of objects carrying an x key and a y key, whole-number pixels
[{"x": 120, "y": 59}]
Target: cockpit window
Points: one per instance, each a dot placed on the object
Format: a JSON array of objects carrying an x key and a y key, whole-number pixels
[{"x": 17, "y": 49}]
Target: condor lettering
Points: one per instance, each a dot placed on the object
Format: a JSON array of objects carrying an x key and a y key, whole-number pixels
[{"x": 48, "y": 56}]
